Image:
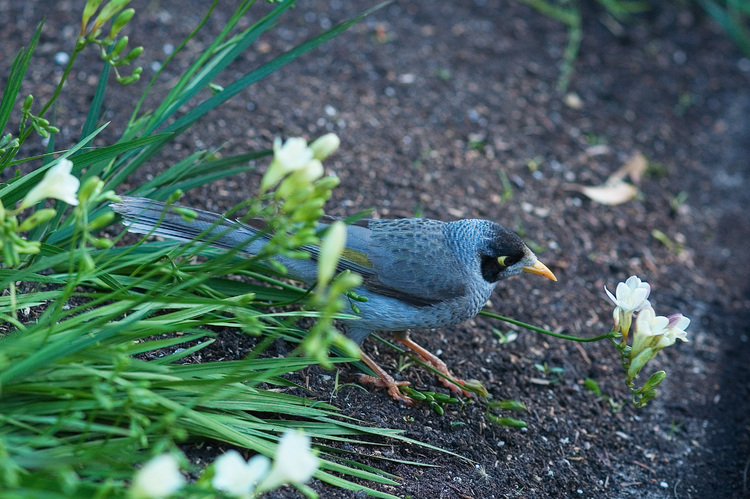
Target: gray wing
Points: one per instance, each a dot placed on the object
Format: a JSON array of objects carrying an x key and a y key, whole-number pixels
[{"x": 413, "y": 262}]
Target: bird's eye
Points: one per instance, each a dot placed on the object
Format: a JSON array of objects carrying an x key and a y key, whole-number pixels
[{"x": 507, "y": 261}]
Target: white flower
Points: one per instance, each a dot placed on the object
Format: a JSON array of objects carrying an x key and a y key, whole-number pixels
[
  {"x": 631, "y": 296},
  {"x": 678, "y": 323},
  {"x": 294, "y": 462},
  {"x": 293, "y": 155},
  {"x": 648, "y": 325},
  {"x": 330, "y": 252},
  {"x": 160, "y": 477},
  {"x": 237, "y": 477},
  {"x": 57, "y": 183},
  {"x": 324, "y": 146}
]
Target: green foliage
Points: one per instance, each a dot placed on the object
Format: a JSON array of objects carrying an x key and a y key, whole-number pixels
[
  {"x": 732, "y": 15},
  {"x": 98, "y": 342}
]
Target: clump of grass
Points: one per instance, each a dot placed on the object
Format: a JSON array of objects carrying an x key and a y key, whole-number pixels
[{"x": 80, "y": 406}]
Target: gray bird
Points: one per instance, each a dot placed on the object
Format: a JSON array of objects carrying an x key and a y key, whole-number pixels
[{"x": 416, "y": 272}]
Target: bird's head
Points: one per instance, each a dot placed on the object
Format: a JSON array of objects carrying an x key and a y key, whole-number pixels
[{"x": 503, "y": 254}]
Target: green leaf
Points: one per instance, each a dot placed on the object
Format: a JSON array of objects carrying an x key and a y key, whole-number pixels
[
  {"x": 96, "y": 103},
  {"x": 17, "y": 73}
]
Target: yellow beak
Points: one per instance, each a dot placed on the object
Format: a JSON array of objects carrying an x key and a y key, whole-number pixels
[{"x": 540, "y": 269}]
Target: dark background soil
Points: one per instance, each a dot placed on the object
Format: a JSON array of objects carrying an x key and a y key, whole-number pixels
[{"x": 432, "y": 101}]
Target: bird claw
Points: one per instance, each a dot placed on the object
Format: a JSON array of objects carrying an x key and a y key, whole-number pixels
[
  {"x": 392, "y": 386},
  {"x": 429, "y": 358}
]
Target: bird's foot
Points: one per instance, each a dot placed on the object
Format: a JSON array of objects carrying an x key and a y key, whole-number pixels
[
  {"x": 429, "y": 358},
  {"x": 385, "y": 380},
  {"x": 391, "y": 384}
]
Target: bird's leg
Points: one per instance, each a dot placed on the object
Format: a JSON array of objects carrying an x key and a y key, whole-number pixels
[
  {"x": 385, "y": 380},
  {"x": 433, "y": 360}
]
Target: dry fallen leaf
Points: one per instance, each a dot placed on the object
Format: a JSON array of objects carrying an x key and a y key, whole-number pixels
[
  {"x": 634, "y": 166},
  {"x": 615, "y": 190},
  {"x": 610, "y": 193}
]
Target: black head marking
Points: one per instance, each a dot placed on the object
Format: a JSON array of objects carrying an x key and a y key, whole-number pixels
[{"x": 502, "y": 249}]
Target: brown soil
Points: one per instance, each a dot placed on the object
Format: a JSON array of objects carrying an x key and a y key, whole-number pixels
[{"x": 434, "y": 101}]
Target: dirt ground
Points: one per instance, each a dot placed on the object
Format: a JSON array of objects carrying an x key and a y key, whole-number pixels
[{"x": 436, "y": 103}]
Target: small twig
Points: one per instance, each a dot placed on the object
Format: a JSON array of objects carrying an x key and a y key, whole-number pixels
[
  {"x": 644, "y": 466},
  {"x": 583, "y": 353}
]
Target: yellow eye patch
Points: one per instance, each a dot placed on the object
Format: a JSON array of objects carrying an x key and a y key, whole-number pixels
[{"x": 501, "y": 260}]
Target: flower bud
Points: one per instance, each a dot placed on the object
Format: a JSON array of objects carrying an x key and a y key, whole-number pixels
[
  {"x": 27, "y": 103},
  {"x": 37, "y": 218},
  {"x": 300, "y": 179},
  {"x": 437, "y": 408},
  {"x": 653, "y": 381},
  {"x": 186, "y": 214},
  {"x": 509, "y": 422},
  {"x": 348, "y": 280},
  {"x": 349, "y": 348},
  {"x": 327, "y": 183},
  {"x": 131, "y": 57},
  {"x": 646, "y": 396},
  {"x": 330, "y": 252},
  {"x": 122, "y": 19},
  {"x": 109, "y": 10},
  {"x": 86, "y": 263},
  {"x": 27, "y": 247},
  {"x": 476, "y": 386},
  {"x": 88, "y": 11},
  {"x": 91, "y": 188},
  {"x": 102, "y": 220},
  {"x": 11, "y": 255},
  {"x": 102, "y": 242},
  {"x": 640, "y": 360},
  {"x": 509, "y": 405},
  {"x": 128, "y": 80},
  {"x": 119, "y": 46},
  {"x": 325, "y": 146},
  {"x": 174, "y": 197},
  {"x": 215, "y": 88}
]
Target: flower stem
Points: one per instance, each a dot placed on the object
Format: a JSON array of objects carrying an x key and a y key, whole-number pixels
[{"x": 611, "y": 334}]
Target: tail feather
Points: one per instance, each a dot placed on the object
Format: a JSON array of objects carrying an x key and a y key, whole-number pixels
[{"x": 146, "y": 216}]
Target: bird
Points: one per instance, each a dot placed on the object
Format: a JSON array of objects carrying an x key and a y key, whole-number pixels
[{"x": 417, "y": 273}]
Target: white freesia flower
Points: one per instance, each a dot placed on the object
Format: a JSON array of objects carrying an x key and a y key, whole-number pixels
[
  {"x": 678, "y": 323},
  {"x": 160, "y": 477},
  {"x": 288, "y": 157},
  {"x": 630, "y": 296},
  {"x": 57, "y": 183},
  {"x": 237, "y": 477},
  {"x": 648, "y": 325},
  {"x": 294, "y": 462},
  {"x": 293, "y": 154}
]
